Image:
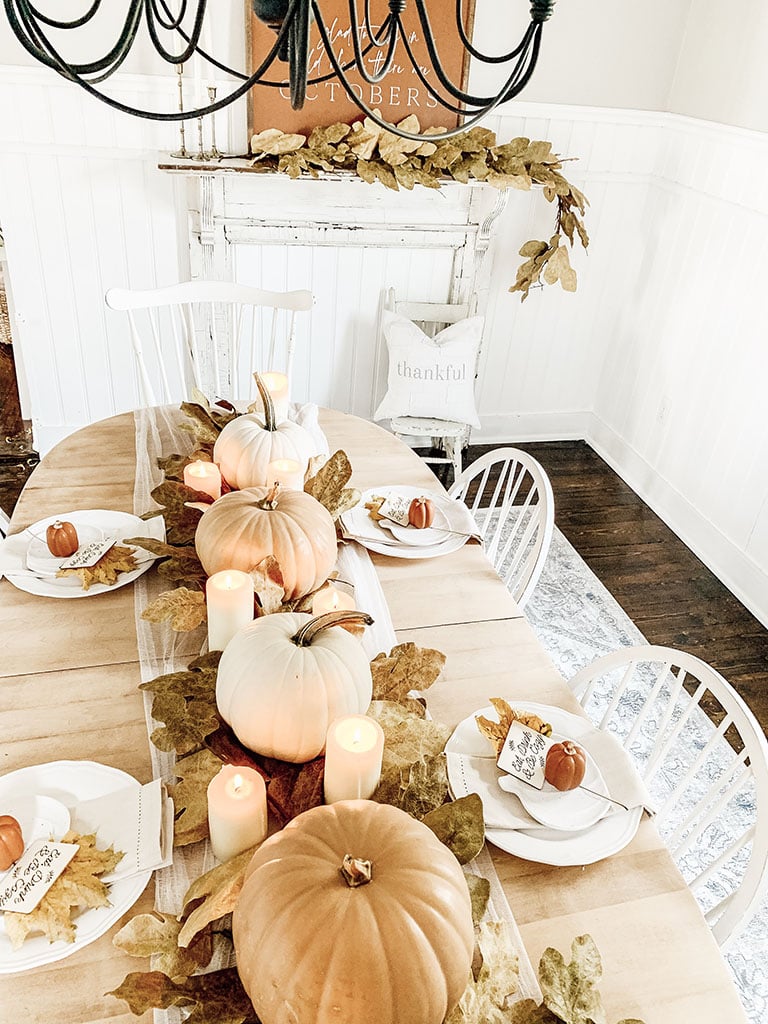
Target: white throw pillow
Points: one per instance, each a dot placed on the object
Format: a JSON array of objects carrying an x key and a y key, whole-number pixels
[{"x": 431, "y": 376}]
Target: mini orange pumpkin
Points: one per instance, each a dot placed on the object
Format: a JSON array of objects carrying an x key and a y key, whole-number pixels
[
  {"x": 11, "y": 841},
  {"x": 61, "y": 538},
  {"x": 421, "y": 512},
  {"x": 565, "y": 765}
]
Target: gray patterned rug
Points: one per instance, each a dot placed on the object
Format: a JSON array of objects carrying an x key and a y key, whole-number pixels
[{"x": 577, "y": 620}]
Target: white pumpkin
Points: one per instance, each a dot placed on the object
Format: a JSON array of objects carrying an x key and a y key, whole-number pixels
[
  {"x": 243, "y": 527},
  {"x": 247, "y": 445},
  {"x": 284, "y": 678}
]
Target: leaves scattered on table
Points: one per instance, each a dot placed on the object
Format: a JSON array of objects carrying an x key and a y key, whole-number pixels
[
  {"x": 190, "y": 796},
  {"x": 178, "y": 564},
  {"x": 406, "y": 667},
  {"x": 570, "y": 989},
  {"x": 413, "y": 773},
  {"x": 157, "y": 935},
  {"x": 186, "y": 703},
  {"x": 459, "y": 826},
  {"x": 215, "y": 998},
  {"x": 173, "y": 465},
  {"x": 496, "y": 732},
  {"x": 268, "y": 584},
  {"x": 180, "y": 520},
  {"x": 479, "y": 894},
  {"x": 329, "y": 485},
  {"x": 495, "y": 977},
  {"x": 182, "y": 608},
  {"x": 118, "y": 559},
  {"x": 78, "y": 886},
  {"x": 212, "y": 896}
]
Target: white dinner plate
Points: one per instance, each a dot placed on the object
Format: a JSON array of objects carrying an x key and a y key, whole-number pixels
[
  {"x": 357, "y": 522},
  {"x": 40, "y": 817},
  {"x": 543, "y": 845},
  {"x": 434, "y": 534},
  {"x": 69, "y": 783},
  {"x": 117, "y": 524}
]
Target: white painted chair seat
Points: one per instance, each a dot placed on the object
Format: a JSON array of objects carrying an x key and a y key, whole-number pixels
[
  {"x": 210, "y": 335},
  {"x": 510, "y": 496},
  {"x": 709, "y": 782}
]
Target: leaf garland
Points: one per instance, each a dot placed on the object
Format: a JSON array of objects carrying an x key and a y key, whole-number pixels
[{"x": 377, "y": 155}]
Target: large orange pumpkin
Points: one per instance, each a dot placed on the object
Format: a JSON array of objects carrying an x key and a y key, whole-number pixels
[
  {"x": 313, "y": 948},
  {"x": 243, "y": 527}
]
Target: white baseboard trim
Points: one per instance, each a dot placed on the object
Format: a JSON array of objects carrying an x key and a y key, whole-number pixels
[
  {"x": 533, "y": 426},
  {"x": 735, "y": 569}
]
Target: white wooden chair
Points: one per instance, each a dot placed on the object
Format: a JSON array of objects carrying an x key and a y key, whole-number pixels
[
  {"x": 709, "y": 782},
  {"x": 208, "y": 334},
  {"x": 450, "y": 436},
  {"x": 510, "y": 497},
  {"x": 5, "y": 524}
]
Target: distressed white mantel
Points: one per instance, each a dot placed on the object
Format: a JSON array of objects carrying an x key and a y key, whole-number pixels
[{"x": 267, "y": 229}]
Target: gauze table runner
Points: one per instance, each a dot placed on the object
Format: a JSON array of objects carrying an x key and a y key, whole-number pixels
[{"x": 161, "y": 650}]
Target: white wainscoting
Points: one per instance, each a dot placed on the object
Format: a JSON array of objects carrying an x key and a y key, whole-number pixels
[{"x": 659, "y": 360}]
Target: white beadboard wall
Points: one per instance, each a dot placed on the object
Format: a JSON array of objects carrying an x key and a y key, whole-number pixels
[{"x": 659, "y": 360}]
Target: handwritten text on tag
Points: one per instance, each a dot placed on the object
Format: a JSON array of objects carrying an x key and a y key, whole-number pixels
[
  {"x": 22, "y": 888},
  {"x": 524, "y": 754},
  {"x": 88, "y": 555},
  {"x": 395, "y": 507}
]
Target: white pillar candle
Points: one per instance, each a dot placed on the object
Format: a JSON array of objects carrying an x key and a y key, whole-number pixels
[
  {"x": 277, "y": 385},
  {"x": 204, "y": 476},
  {"x": 237, "y": 810},
  {"x": 287, "y": 472},
  {"x": 229, "y": 596},
  {"x": 331, "y": 599},
  {"x": 353, "y": 752}
]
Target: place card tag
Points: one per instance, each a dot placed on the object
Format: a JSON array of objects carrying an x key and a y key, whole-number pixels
[
  {"x": 88, "y": 554},
  {"x": 395, "y": 507},
  {"x": 524, "y": 754},
  {"x": 33, "y": 874}
]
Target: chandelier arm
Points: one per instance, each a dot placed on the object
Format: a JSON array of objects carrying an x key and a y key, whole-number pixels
[
  {"x": 463, "y": 97},
  {"x": 478, "y": 54},
  {"x": 377, "y": 119},
  {"x": 391, "y": 43},
  {"x": 513, "y": 90},
  {"x": 76, "y": 23},
  {"x": 40, "y": 47},
  {"x": 383, "y": 28},
  {"x": 298, "y": 53},
  {"x": 192, "y": 42},
  {"x": 174, "y": 22}
]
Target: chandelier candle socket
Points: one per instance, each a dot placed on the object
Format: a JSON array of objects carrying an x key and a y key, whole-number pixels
[
  {"x": 237, "y": 811},
  {"x": 353, "y": 751},
  {"x": 331, "y": 599},
  {"x": 204, "y": 476},
  {"x": 229, "y": 596},
  {"x": 287, "y": 472},
  {"x": 277, "y": 385}
]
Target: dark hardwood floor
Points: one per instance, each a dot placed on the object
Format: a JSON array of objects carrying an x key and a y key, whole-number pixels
[{"x": 668, "y": 592}]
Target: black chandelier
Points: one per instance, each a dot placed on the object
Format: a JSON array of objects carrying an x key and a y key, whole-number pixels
[{"x": 176, "y": 38}]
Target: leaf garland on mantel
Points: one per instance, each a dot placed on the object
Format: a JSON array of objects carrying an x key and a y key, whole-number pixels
[{"x": 374, "y": 154}]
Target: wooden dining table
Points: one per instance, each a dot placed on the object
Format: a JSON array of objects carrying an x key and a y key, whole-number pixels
[{"x": 69, "y": 676}]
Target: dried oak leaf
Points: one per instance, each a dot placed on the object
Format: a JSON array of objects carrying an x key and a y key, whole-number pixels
[
  {"x": 459, "y": 826},
  {"x": 416, "y": 788},
  {"x": 268, "y": 584},
  {"x": 331, "y": 135},
  {"x": 180, "y": 520},
  {"x": 413, "y": 773},
  {"x": 211, "y": 896},
  {"x": 496, "y": 732},
  {"x": 363, "y": 138},
  {"x": 570, "y": 989},
  {"x": 157, "y": 935},
  {"x": 190, "y": 796},
  {"x": 292, "y": 788},
  {"x": 329, "y": 485},
  {"x": 203, "y": 427},
  {"x": 559, "y": 269},
  {"x": 178, "y": 564},
  {"x": 118, "y": 559},
  {"x": 273, "y": 142},
  {"x": 486, "y": 996},
  {"x": 77, "y": 886},
  {"x": 479, "y": 894},
  {"x": 406, "y": 667},
  {"x": 373, "y": 171},
  {"x": 183, "y": 608},
  {"x": 216, "y": 998},
  {"x": 173, "y": 466},
  {"x": 394, "y": 149}
]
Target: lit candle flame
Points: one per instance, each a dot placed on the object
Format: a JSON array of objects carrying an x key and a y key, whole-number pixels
[
  {"x": 237, "y": 783},
  {"x": 356, "y": 737}
]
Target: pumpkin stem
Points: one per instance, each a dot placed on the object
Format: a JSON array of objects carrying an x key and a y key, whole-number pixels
[
  {"x": 269, "y": 501},
  {"x": 355, "y": 871},
  {"x": 269, "y": 406},
  {"x": 309, "y": 630}
]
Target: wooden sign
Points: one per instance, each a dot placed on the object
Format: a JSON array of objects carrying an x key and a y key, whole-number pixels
[{"x": 399, "y": 94}]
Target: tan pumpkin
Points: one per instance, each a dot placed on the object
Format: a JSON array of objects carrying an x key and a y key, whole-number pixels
[
  {"x": 61, "y": 538},
  {"x": 283, "y": 679},
  {"x": 315, "y": 948},
  {"x": 421, "y": 513},
  {"x": 565, "y": 765},
  {"x": 247, "y": 444},
  {"x": 11, "y": 841},
  {"x": 243, "y": 527}
]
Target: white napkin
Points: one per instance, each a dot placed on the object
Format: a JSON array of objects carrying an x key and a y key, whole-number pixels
[
  {"x": 137, "y": 820},
  {"x": 501, "y": 809},
  {"x": 307, "y": 416},
  {"x": 13, "y": 550}
]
